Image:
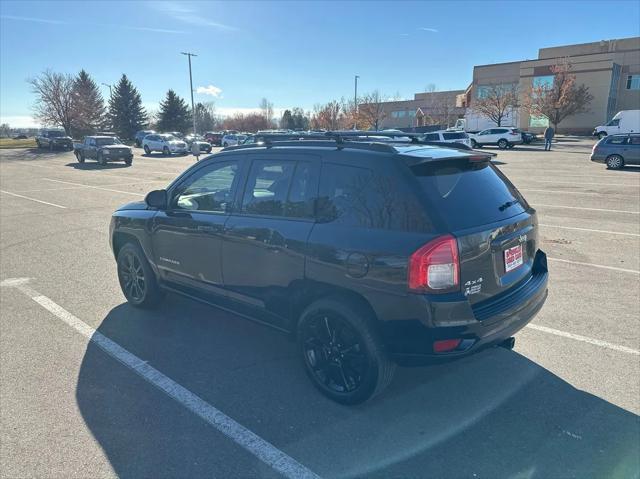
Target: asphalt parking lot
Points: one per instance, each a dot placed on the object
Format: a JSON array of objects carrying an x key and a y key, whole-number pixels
[{"x": 563, "y": 403}]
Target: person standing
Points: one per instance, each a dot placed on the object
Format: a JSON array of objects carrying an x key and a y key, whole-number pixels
[
  {"x": 195, "y": 149},
  {"x": 549, "y": 133}
]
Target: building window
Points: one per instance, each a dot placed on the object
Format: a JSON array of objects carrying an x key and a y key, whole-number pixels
[
  {"x": 633, "y": 82},
  {"x": 411, "y": 113},
  {"x": 545, "y": 81},
  {"x": 398, "y": 114},
  {"x": 483, "y": 91}
]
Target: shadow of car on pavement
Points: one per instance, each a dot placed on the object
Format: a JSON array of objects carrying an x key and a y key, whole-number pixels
[
  {"x": 496, "y": 414},
  {"x": 94, "y": 165}
]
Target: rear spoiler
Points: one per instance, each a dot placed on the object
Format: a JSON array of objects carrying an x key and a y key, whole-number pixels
[{"x": 474, "y": 156}]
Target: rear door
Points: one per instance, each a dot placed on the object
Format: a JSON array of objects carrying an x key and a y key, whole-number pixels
[
  {"x": 265, "y": 243},
  {"x": 496, "y": 229},
  {"x": 633, "y": 150}
]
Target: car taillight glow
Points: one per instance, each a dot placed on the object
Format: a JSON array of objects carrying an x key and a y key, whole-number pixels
[
  {"x": 435, "y": 267},
  {"x": 446, "y": 345}
]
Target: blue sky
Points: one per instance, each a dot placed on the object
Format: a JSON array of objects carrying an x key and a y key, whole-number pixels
[{"x": 293, "y": 53}]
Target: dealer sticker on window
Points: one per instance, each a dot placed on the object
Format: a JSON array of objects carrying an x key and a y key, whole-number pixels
[{"x": 512, "y": 258}]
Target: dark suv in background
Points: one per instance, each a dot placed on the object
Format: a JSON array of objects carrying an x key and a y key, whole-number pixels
[
  {"x": 54, "y": 139},
  {"x": 370, "y": 254}
]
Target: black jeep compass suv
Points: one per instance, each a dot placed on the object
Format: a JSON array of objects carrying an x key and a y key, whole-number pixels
[{"x": 370, "y": 253}]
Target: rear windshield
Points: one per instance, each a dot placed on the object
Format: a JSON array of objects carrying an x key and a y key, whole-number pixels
[
  {"x": 455, "y": 136},
  {"x": 468, "y": 194}
]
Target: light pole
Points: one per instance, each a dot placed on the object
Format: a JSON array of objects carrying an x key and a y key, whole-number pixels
[
  {"x": 355, "y": 104},
  {"x": 106, "y": 84},
  {"x": 193, "y": 110}
]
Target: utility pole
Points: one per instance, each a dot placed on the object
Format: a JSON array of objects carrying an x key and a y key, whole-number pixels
[
  {"x": 355, "y": 104},
  {"x": 110, "y": 94},
  {"x": 193, "y": 110}
]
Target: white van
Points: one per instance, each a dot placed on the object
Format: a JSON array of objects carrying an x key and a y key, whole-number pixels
[{"x": 625, "y": 121}]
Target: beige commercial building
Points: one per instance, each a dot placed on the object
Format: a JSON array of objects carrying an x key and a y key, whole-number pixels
[{"x": 609, "y": 68}]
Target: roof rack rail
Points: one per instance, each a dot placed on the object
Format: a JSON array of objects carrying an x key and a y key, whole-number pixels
[{"x": 268, "y": 141}]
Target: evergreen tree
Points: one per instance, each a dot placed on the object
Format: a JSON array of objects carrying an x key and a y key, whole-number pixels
[
  {"x": 287, "y": 121},
  {"x": 88, "y": 106},
  {"x": 174, "y": 114},
  {"x": 126, "y": 113}
]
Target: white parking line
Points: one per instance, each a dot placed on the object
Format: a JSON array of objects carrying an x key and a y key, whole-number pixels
[
  {"x": 589, "y": 193},
  {"x": 588, "y": 209},
  {"x": 590, "y": 230},
  {"x": 601, "y": 266},
  {"x": 32, "y": 199},
  {"x": 94, "y": 187},
  {"x": 251, "y": 442},
  {"x": 584, "y": 339},
  {"x": 574, "y": 183},
  {"x": 97, "y": 186}
]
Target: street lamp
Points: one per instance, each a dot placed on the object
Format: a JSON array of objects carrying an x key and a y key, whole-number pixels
[
  {"x": 193, "y": 110},
  {"x": 106, "y": 84},
  {"x": 355, "y": 104}
]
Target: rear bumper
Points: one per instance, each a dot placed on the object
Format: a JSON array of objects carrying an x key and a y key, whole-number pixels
[
  {"x": 597, "y": 158},
  {"x": 487, "y": 324}
]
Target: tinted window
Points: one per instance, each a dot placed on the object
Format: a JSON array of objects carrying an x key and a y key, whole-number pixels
[
  {"x": 359, "y": 197},
  {"x": 467, "y": 194},
  {"x": 209, "y": 189},
  {"x": 498, "y": 131},
  {"x": 634, "y": 140},
  {"x": 432, "y": 137},
  {"x": 454, "y": 136},
  {"x": 267, "y": 187},
  {"x": 617, "y": 140},
  {"x": 301, "y": 194},
  {"x": 615, "y": 122}
]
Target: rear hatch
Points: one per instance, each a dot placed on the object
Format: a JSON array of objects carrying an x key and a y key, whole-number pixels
[{"x": 495, "y": 228}]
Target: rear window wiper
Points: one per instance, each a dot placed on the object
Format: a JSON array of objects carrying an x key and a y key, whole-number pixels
[{"x": 508, "y": 204}]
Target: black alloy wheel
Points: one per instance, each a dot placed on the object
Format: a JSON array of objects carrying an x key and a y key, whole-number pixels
[{"x": 132, "y": 278}]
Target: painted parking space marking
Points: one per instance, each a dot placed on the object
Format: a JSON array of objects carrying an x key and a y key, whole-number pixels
[
  {"x": 32, "y": 199},
  {"x": 243, "y": 437},
  {"x": 589, "y": 230},
  {"x": 589, "y": 193},
  {"x": 588, "y": 209},
  {"x": 592, "y": 265},
  {"x": 631, "y": 185},
  {"x": 584, "y": 339},
  {"x": 95, "y": 187}
]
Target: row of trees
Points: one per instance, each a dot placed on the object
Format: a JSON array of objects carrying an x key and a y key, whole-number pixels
[{"x": 555, "y": 100}]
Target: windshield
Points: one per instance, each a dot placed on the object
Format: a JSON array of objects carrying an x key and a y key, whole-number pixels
[
  {"x": 56, "y": 134},
  {"x": 168, "y": 137},
  {"x": 107, "y": 141}
]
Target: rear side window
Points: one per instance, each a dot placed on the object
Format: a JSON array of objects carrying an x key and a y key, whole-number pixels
[
  {"x": 359, "y": 197},
  {"x": 468, "y": 194},
  {"x": 617, "y": 140},
  {"x": 634, "y": 140},
  {"x": 455, "y": 136}
]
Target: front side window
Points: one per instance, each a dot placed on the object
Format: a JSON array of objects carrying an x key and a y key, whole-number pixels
[
  {"x": 485, "y": 132},
  {"x": 455, "y": 136},
  {"x": 267, "y": 187},
  {"x": 634, "y": 140},
  {"x": 615, "y": 122},
  {"x": 209, "y": 189},
  {"x": 432, "y": 137},
  {"x": 633, "y": 82}
]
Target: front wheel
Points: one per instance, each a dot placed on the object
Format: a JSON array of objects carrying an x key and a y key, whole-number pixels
[
  {"x": 615, "y": 162},
  {"x": 137, "y": 280},
  {"x": 342, "y": 353},
  {"x": 128, "y": 161},
  {"x": 147, "y": 151},
  {"x": 79, "y": 157},
  {"x": 165, "y": 151},
  {"x": 503, "y": 144}
]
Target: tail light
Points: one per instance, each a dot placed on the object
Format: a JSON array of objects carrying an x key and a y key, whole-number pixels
[
  {"x": 435, "y": 267},
  {"x": 514, "y": 133}
]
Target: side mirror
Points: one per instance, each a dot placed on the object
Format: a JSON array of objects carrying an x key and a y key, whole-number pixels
[{"x": 157, "y": 199}]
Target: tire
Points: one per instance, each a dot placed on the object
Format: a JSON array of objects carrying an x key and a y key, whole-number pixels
[
  {"x": 101, "y": 160},
  {"x": 147, "y": 151},
  {"x": 503, "y": 144},
  {"x": 224, "y": 145},
  {"x": 79, "y": 157},
  {"x": 50, "y": 146},
  {"x": 165, "y": 151},
  {"x": 137, "y": 280},
  {"x": 38, "y": 145},
  {"x": 128, "y": 161},
  {"x": 615, "y": 162},
  {"x": 138, "y": 143},
  {"x": 474, "y": 144},
  {"x": 346, "y": 373},
  {"x": 601, "y": 135}
]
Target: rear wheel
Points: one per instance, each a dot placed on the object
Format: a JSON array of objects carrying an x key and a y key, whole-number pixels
[
  {"x": 615, "y": 162},
  {"x": 503, "y": 144},
  {"x": 137, "y": 280},
  {"x": 342, "y": 353},
  {"x": 147, "y": 151}
]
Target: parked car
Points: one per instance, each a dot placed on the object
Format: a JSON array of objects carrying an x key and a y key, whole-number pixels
[
  {"x": 20, "y": 137},
  {"x": 625, "y": 121},
  {"x": 103, "y": 149},
  {"x": 528, "y": 138},
  {"x": 503, "y": 137},
  {"x": 176, "y": 134},
  {"x": 202, "y": 144},
  {"x": 140, "y": 136},
  {"x": 54, "y": 139},
  {"x": 214, "y": 137},
  {"x": 616, "y": 151},
  {"x": 369, "y": 254},
  {"x": 459, "y": 137},
  {"x": 232, "y": 140},
  {"x": 167, "y": 144}
]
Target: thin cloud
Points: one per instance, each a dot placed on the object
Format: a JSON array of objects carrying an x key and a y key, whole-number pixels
[
  {"x": 151, "y": 29},
  {"x": 428, "y": 29},
  {"x": 209, "y": 90},
  {"x": 33, "y": 19},
  {"x": 188, "y": 15},
  {"x": 403, "y": 34}
]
